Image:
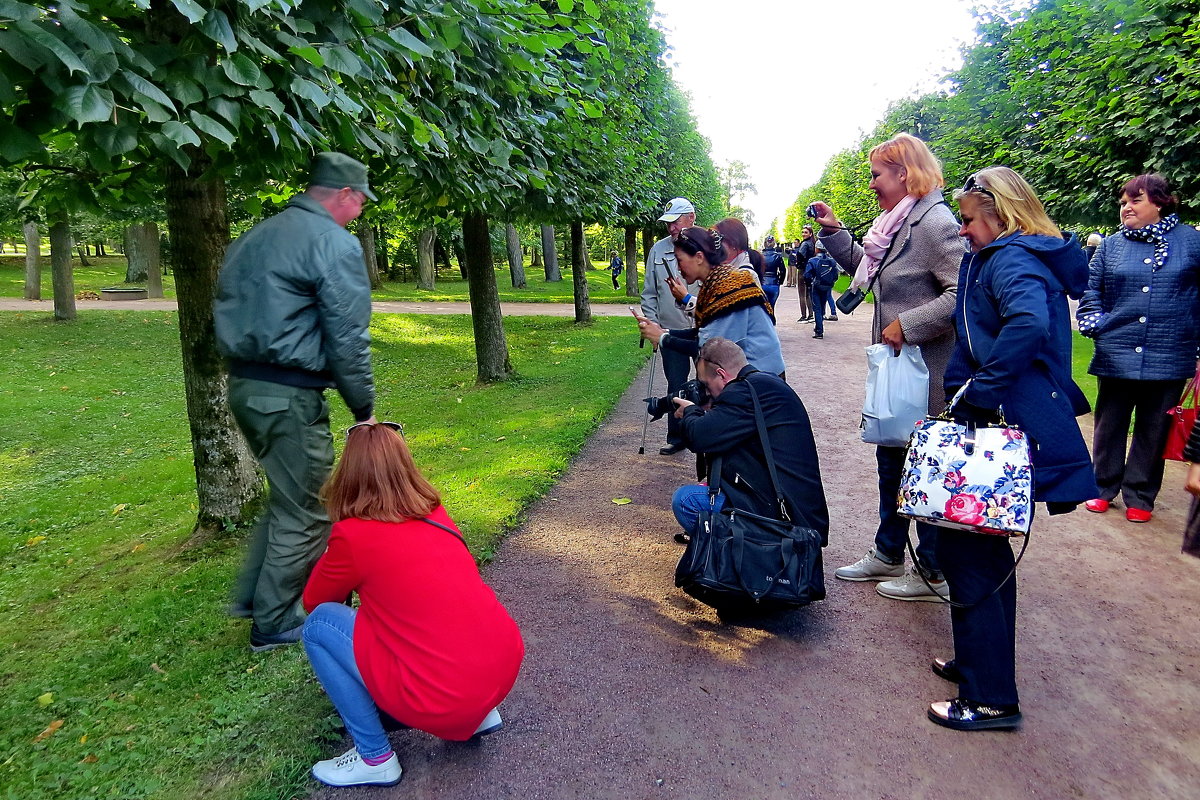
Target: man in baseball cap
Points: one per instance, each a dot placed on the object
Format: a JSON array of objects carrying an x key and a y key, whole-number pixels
[
  {"x": 338, "y": 171},
  {"x": 659, "y": 306}
]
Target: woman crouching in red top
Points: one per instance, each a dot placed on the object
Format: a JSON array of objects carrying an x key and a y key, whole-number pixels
[{"x": 430, "y": 644}]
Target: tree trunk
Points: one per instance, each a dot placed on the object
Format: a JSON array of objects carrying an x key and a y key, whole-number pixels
[
  {"x": 83, "y": 254},
  {"x": 553, "y": 275},
  {"x": 460, "y": 254},
  {"x": 145, "y": 262},
  {"x": 583, "y": 307},
  {"x": 491, "y": 346},
  {"x": 60, "y": 269},
  {"x": 535, "y": 260},
  {"x": 516, "y": 258},
  {"x": 426, "y": 273},
  {"x": 227, "y": 479},
  {"x": 381, "y": 253},
  {"x": 631, "y": 269},
  {"x": 441, "y": 256},
  {"x": 154, "y": 273},
  {"x": 366, "y": 238},
  {"x": 33, "y": 261},
  {"x": 647, "y": 243}
]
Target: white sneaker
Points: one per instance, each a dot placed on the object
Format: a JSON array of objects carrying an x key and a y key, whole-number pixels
[
  {"x": 869, "y": 568},
  {"x": 491, "y": 723},
  {"x": 349, "y": 769},
  {"x": 912, "y": 587}
]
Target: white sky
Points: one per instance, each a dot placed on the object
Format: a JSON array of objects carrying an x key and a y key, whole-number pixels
[{"x": 784, "y": 84}]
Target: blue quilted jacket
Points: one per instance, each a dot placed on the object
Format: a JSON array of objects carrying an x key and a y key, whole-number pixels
[{"x": 1150, "y": 324}]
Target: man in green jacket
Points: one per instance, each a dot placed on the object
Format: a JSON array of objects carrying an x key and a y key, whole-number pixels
[{"x": 292, "y": 310}]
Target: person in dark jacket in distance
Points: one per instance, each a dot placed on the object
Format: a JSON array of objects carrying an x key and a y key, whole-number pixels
[
  {"x": 292, "y": 312},
  {"x": 821, "y": 273},
  {"x": 1013, "y": 355},
  {"x": 1142, "y": 307},
  {"x": 728, "y": 431}
]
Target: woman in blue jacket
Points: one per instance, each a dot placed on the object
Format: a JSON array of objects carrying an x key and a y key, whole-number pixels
[
  {"x": 1142, "y": 307},
  {"x": 1013, "y": 354}
]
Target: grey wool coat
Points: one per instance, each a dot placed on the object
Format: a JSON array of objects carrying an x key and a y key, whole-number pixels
[{"x": 917, "y": 283}]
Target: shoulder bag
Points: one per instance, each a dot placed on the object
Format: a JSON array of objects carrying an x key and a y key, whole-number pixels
[
  {"x": 1183, "y": 419},
  {"x": 737, "y": 558}
]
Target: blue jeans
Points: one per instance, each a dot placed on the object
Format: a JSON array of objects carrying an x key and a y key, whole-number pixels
[
  {"x": 892, "y": 535},
  {"x": 832, "y": 304},
  {"x": 329, "y": 641},
  {"x": 687, "y": 502},
  {"x": 771, "y": 290},
  {"x": 820, "y": 297}
]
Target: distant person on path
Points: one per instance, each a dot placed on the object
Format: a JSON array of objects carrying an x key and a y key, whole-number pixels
[
  {"x": 1013, "y": 353},
  {"x": 616, "y": 267},
  {"x": 728, "y": 429},
  {"x": 821, "y": 272},
  {"x": 793, "y": 262},
  {"x": 913, "y": 251},
  {"x": 729, "y": 305},
  {"x": 1142, "y": 307},
  {"x": 430, "y": 645},
  {"x": 292, "y": 310},
  {"x": 1093, "y": 242},
  {"x": 659, "y": 306},
  {"x": 1191, "y": 533},
  {"x": 808, "y": 251},
  {"x": 774, "y": 270}
]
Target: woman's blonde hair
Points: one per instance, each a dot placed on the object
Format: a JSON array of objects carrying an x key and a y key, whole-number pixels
[
  {"x": 909, "y": 153},
  {"x": 1005, "y": 195}
]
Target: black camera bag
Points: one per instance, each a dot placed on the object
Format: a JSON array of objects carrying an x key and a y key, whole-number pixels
[{"x": 737, "y": 558}]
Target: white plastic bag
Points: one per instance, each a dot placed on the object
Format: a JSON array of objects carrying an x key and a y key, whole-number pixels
[{"x": 897, "y": 394}]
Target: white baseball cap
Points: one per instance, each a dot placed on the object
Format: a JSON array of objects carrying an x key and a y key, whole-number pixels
[{"x": 676, "y": 209}]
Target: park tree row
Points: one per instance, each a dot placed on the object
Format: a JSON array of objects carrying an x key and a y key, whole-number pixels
[
  {"x": 551, "y": 111},
  {"x": 1077, "y": 95}
]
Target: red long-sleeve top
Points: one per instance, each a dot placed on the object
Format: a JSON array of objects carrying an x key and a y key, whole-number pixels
[{"x": 435, "y": 647}]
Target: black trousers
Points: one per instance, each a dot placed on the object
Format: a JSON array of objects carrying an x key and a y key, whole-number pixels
[
  {"x": 985, "y": 635},
  {"x": 1137, "y": 477},
  {"x": 677, "y": 367}
]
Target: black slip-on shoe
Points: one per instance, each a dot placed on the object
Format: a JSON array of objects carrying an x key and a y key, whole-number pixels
[
  {"x": 671, "y": 449},
  {"x": 261, "y": 642},
  {"x": 946, "y": 668},
  {"x": 964, "y": 715}
]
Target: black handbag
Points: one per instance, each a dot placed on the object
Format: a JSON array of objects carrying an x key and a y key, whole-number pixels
[{"x": 738, "y": 558}]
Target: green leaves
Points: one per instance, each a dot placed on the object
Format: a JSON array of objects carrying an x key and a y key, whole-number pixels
[
  {"x": 207, "y": 124},
  {"x": 53, "y": 44},
  {"x": 410, "y": 43},
  {"x": 180, "y": 134},
  {"x": 88, "y": 103},
  {"x": 216, "y": 27},
  {"x": 240, "y": 69}
]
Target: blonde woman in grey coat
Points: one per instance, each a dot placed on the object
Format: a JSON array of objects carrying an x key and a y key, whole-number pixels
[{"x": 912, "y": 251}]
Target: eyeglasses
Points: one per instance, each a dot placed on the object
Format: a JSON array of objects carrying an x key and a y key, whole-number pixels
[
  {"x": 973, "y": 185},
  {"x": 396, "y": 426}
]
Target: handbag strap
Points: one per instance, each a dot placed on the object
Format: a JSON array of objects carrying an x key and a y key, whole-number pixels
[
  {"x": 450, "y": 531},
  {"x": 1192, "y": 391},
  {"x": 761, "y": 423}
]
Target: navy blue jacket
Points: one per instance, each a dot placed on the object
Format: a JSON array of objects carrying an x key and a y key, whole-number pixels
[
  {"x": 1150, "y": 328},
  {"x": 821, "y": 271},
  {"x": 1014, "y": 341},
  {"x": 729, "y": 430}
]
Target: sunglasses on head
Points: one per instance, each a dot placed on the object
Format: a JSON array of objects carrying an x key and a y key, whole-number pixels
[
  {"x": 396, "y": 426},
  {"x": 973, "y": 185}
]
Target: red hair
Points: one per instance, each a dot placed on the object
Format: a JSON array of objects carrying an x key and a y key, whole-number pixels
[{"x": 377, "y": 479}]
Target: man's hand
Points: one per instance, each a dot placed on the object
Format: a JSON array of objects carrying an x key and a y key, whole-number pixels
[
  {"x": 1193, "y": 480},
  {"x": 894, "y": 335},
  {"x": 680, "y": 405},
  {"x": 650, "y": 330}
]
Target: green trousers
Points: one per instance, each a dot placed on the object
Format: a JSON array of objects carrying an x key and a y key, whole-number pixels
[{"x": 287, "y": 428}]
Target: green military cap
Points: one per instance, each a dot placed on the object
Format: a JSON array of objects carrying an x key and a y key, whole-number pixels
[{"x": 337, "y": 171}]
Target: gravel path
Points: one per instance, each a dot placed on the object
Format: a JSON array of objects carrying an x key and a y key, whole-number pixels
[{"x": 632, "y": 690}]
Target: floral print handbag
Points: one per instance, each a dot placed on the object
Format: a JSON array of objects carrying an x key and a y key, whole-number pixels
[{"x": 967, "y": 477}]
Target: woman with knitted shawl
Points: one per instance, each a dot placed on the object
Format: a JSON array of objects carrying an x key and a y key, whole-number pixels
[{"x": 730, "y": 305}]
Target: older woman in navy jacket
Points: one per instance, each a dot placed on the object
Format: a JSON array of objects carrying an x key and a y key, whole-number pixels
[
  {"x": 1142, "y": 307},
  {"x": 1013, "y": 354}
]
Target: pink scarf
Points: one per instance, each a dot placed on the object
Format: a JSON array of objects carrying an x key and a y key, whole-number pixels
[{"x": 879, "y": 238}]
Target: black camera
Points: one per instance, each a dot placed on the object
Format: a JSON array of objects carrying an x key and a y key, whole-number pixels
[
  {"x": 695, "y": 391},
  {"x": 811, "y": 212}
]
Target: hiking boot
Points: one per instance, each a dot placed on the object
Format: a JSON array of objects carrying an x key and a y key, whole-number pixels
[
  {"x": 870, "y": 568},
  {"x": 912, "y": 587},
  {"x": 349, "y": 769},
  {"x": 261, "y": 642}
]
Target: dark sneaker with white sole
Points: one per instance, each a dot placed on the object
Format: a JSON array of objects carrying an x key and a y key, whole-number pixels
[{"x": 965, "y": 715}]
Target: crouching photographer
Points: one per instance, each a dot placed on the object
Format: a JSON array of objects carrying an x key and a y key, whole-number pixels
[{"x": 763, "y": 478}]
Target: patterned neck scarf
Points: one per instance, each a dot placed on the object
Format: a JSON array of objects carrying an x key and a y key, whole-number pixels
[
  {"x": 726, "y": 290},
  {"x": 1155, "y": 234}
]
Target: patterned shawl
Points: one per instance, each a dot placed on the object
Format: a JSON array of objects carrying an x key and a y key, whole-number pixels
[
  {"x": 726, "y": 290},
  {"x": 1156, "y": 235}
]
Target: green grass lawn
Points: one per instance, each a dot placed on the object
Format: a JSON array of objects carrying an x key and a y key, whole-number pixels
[
  {"x": 120, "y": 676},
  {"x": 110, "y": 271}
]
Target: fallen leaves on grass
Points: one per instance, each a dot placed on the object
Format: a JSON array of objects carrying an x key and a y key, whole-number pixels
[
  {"x": 51, "y": 729},
  {"x": 45, "y": 699}
]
